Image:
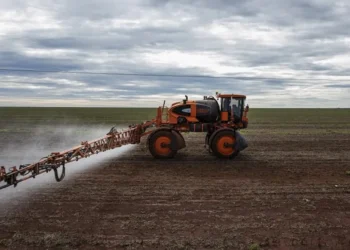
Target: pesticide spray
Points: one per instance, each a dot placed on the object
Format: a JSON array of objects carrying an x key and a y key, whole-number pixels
[
  {"x": 43, "y": 141},
  {"x": 56, "y": 161}
]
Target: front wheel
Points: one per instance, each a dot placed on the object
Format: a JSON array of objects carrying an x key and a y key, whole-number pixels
[
  {"x": 159, "y": 145},
  {"x": 223, "y": 145}
]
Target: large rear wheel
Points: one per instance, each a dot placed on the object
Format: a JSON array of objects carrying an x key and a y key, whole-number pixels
[
  {"x": 159, "y": 145},
  {"x": 223, "y": 145}
]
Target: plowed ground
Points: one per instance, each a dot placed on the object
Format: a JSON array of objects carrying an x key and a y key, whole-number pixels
[{"x": 288, "y": 190}]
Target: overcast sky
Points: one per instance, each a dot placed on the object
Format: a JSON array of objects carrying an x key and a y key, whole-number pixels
[{"x": 279, "y": 53}]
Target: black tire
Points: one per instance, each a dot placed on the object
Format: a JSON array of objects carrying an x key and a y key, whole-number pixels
[
  {"x": 154, "y": 145},
  {"x": 218, "y": 148}
]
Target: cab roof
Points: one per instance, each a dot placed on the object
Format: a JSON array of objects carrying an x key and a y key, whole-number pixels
[{"x": 231, "y": 95}]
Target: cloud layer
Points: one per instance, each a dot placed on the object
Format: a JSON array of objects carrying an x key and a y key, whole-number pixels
[{"x": 280, "y": 54}]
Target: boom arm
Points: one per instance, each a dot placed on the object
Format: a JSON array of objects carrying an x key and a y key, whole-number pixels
[{"x": 55, "y": 160}]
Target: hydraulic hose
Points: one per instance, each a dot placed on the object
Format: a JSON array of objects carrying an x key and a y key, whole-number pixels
[{"x": 58, "y": 179}]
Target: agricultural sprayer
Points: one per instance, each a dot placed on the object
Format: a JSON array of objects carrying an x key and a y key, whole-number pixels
[{"x": 220, "y": 122}]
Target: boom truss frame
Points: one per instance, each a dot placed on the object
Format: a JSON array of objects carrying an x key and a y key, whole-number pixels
[{"x": 55, "y": 160}]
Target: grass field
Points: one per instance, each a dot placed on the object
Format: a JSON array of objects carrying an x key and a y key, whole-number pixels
[
  {"x": 290, "y": 189},
  {"x": 112, "y": 116}
]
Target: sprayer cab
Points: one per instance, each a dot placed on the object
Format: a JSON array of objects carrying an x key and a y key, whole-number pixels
[{"x": 233, "y": 109}]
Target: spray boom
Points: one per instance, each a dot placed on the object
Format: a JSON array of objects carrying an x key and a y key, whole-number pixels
[{"x": 56, "y": 160}]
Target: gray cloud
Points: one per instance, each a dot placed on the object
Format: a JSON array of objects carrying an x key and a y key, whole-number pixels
[
  {"x": 283, "y": 40},
  {"x": 341, "y": 86}
]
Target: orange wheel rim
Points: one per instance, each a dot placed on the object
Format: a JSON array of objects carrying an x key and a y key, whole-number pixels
[
  {"x": 226, "y": 150},
  {"x": 158, "y": 145}
]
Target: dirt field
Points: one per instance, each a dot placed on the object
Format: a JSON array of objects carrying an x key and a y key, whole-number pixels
[{"x": 288, "y": 190}]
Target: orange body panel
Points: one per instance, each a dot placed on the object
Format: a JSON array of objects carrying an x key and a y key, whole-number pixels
[
  {"x": 190, "y": 118},
  {"x": 224, "y": 116}
]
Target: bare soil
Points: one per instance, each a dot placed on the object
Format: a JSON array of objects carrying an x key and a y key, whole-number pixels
[{"x": 285, "y": 191}]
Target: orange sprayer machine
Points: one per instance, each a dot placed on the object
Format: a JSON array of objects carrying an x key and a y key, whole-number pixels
[{"x": 219, "y": 120}]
